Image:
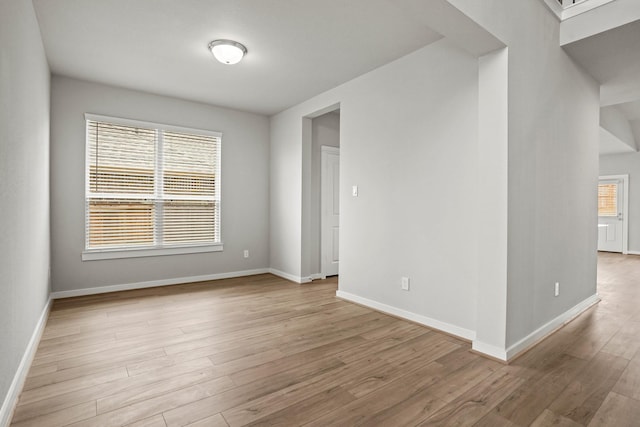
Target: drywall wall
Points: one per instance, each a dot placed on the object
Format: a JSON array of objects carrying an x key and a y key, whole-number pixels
[
  {"x": 614, "y": 121},
  {"x": 611, "y": 144},
  {"x": 408, "y": 139},
  {"x": 325, "y": 131},
  {"x": 492, "y": 210},
  {"x": 24, "y": 186},
  {"x": 245, "y": 191},
  {"x": 285, "y": 186},
  {"x": 621, "y": 164},
  {"x": 553, "y": 108}
]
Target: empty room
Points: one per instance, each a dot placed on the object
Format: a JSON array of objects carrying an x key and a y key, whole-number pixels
[{"x": 199, "y": 225}]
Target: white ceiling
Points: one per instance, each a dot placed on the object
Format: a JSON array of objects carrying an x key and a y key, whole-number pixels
[{"x": 296, "y": 49}]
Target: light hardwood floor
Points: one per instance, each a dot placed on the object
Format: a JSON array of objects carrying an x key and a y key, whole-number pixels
[{"x": 263, "y": 351}]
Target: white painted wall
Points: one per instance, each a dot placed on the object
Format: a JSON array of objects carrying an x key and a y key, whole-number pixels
[
  {"x": 285, "y": 186},
  {"x": 614, "y": 121},
  {"x": 493, "y": 206},
  {"x": 620, "y": 164},
  {"x": 553, "y": 166},
  {"x": 245, "y": 190},
  {"x": 611, "y": 144},
  {"x": 408, "y": 139},
  {"x": 24, "y": 185}
]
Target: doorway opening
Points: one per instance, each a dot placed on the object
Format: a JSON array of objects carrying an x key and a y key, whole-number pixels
[
  {"x": 613, "y": 210},
  {"x": 321, "y": 194}
]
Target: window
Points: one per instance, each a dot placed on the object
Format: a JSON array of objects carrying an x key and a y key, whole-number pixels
[
  {"x": 150, "y": 189},
  {"x": 608, "y": 199}
]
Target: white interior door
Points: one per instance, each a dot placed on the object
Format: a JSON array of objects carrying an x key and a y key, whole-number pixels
[
  {"x": 611, "y": 215},
  {"x": 330, "y": 208}
]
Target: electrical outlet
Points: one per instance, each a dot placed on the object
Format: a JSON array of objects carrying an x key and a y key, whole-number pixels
[
  {"x": 556, "y": 291},
  {"x": 246, "y": 253},
  {"x": 405, "y": 283}
]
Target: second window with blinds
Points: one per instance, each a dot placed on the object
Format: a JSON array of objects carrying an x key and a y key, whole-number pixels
[{"x": 151, "y": 189}]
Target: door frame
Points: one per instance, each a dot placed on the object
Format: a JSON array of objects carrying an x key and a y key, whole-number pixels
[
  {"x": 325, "y": 151},
  {"x": 625, "y": 207}
]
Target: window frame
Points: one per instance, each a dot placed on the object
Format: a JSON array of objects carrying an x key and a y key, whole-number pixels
[{"x": 147, "y": 251}]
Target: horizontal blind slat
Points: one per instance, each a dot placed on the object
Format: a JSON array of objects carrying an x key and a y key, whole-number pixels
[
  {"x": 122, "y": 195},
  {"x": 187, "y": 221},
  {"x": 608, "y": 199},
  {"x": 190, "y": 164},
  {"x": 121, "y": 158},
  {"x": 120, "y": 223}
]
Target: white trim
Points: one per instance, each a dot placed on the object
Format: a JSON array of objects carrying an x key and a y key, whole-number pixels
[
  {"x": 154, "y": 283},
  {"x": 317, "y": 276},
  {"x": 625, "y": 207},
  {"x": 489, "y": 350},
  {"x": 463, "y": 333},
  {"x": 633, "y": 252},
  {"x": 625, "y": 213},
  {"x": 11, "y": 399},
  {"x": 551, "y": 326},
  {"x": 158, "y": 198},
  {"x": 537, "y": 335},
  {"x": 290, "y": 277},
  {"x": 97, "y": 254}
]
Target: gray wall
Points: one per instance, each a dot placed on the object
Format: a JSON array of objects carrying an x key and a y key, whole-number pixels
[
  {"x": 408, "y": 139},
  {"x": 614, "y": 121},
  {"x": 24, "y": 183},
  {"x": 245, "y": 192},
  {"x": 621, "y": 164},
  {"x": 325, "y": 130},
  {"x": 553, "y": 110}
]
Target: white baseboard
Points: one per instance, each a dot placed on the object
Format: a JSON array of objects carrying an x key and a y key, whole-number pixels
[
  {"x": 463, "y": 333},
  {"x": 291, "y": 277},
  {"x": 154, "y": 283},
  {"x": 533, "y": 338},
  {"x": 11, "y": 399},
  {"x": 624, "y": 253},
  {"x": 317, "y": 276},
  {"x": 552, "y": 326},
  {"x": 489, "y": 350}
]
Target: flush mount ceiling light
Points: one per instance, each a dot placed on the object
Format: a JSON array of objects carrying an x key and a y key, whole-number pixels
[{"x": 227, "y": 51}]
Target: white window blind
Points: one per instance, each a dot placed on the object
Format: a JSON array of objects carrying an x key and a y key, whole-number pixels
[
  {"x": 608, "y": 199},
  {"x": 150, "y": 186}
]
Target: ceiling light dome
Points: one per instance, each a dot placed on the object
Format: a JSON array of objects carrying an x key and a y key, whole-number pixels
[{"x": 227, "y": 51}]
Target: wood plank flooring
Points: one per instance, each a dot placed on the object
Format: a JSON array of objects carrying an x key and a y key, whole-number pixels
[{"x": 263, "y": 351}]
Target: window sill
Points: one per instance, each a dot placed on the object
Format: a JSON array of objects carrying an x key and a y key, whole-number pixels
[{"x": 94, "y": 255}]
